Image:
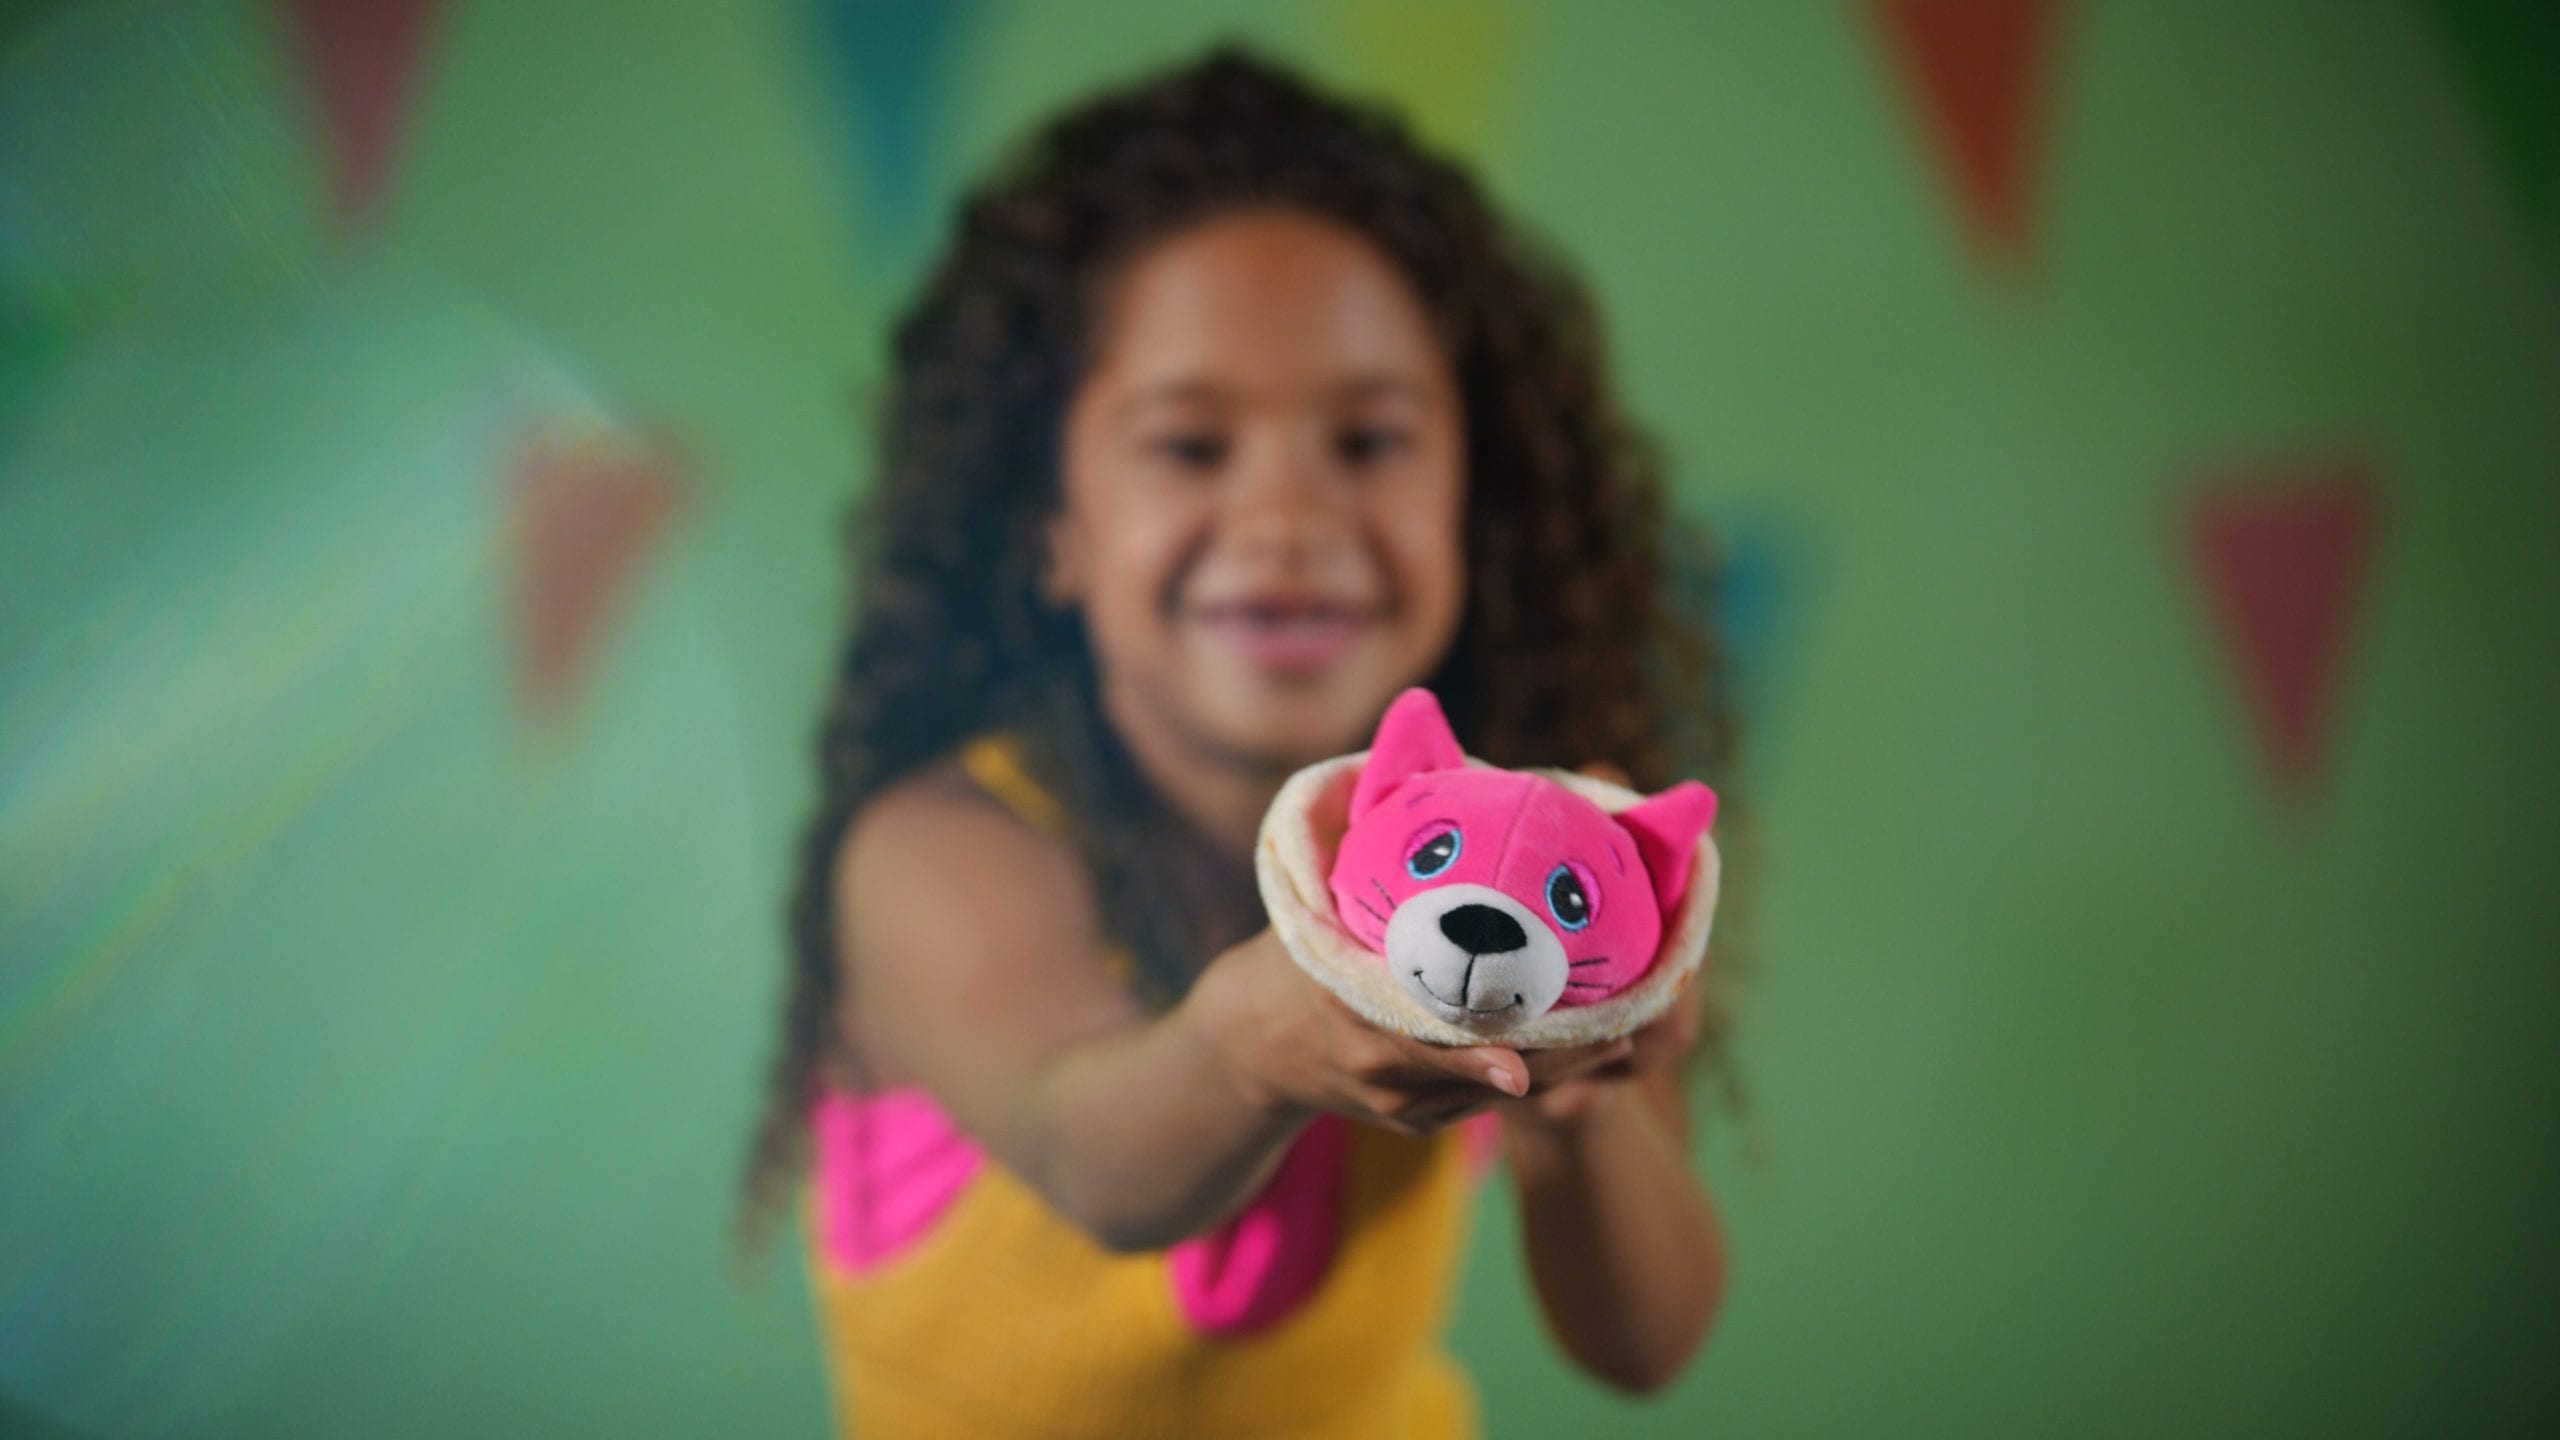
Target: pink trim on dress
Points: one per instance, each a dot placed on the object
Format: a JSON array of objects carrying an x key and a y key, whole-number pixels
[
  {"x": 1264, "y": 1262},
  {"x": 888, "y": 1166}
]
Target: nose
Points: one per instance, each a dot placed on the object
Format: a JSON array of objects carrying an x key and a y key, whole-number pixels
[
  {"x": 1482, "y": 930},
  {"x": 1287, "y": 506}
]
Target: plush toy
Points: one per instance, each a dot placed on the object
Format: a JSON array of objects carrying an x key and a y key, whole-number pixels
[{"x": 1459, "y": 902}]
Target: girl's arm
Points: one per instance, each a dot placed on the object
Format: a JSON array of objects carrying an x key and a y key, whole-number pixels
[
  {"x": 974, "y": 966},
  {"x": 1623, "y": 1242}
]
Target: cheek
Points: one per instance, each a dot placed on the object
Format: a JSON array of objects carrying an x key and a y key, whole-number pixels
[
  {"x": 1364, "y": 856},
  {"x": 1147, "y": 555},
  {"x": 1627, "y": 932},
  {"x": 1429, "y": 555},
  {"x": 1139, "y": 549}
]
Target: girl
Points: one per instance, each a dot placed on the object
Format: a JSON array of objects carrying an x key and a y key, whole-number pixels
[{"x": 1227, "y": 414}]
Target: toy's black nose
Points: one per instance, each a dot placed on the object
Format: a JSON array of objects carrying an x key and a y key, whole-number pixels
[{"x": 1482, "y": 930}]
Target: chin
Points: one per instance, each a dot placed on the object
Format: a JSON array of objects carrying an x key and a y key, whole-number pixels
[{"x": 1292, "y": 726}]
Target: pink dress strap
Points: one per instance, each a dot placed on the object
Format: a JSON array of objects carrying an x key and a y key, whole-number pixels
[
  {"x": 888, "y": 1166},
  {"x": 1270, "y": 1256}
]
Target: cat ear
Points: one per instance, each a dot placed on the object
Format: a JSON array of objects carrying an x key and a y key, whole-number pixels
[
  {"x": 1667, "y": 828},
  {"x": 1412, "y": 738}
]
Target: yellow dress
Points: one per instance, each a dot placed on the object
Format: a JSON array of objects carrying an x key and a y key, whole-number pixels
[{"x": 1004, "y": 1319}]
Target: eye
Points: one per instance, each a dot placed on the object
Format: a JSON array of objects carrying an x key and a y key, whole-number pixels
[
  {"x": 1433, "y": 849},
  {"x": 1361, "y": 445},
  {"x": 1195, "y": 451},
  {"x": 1570, "y": 897}
]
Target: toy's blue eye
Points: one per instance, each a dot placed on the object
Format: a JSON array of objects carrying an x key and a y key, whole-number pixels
[
  {"x": 1433, "y": 849},
  {"x": 1569, "y": 896}
]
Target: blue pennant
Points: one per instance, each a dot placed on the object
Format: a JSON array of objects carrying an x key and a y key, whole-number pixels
[{"x": 890, "y": 64}]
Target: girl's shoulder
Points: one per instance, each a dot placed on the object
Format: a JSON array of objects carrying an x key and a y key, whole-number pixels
[
  {"x": 993, "y": 763},
  {"x": 957, "y": 902},
  {"x": 974, "y": 808}
]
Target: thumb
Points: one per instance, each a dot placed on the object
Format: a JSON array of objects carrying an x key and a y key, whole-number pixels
[{"x": 1603, "y": 770}]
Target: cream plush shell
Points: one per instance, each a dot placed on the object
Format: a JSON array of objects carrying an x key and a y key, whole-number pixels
[{"x": 1294, "y": 856}]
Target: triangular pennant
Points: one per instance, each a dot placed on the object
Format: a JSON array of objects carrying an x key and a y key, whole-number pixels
[
  {"x": 1750, "y": 595},
  {"x": 361, "y": 57},
  {"x": 1757, "y": 600},
  {"x": 1978, "y": 73},
  {"x": 1448, "y": 63},
  {"x": 585, "y": 511},
  {"x": 2283, "y": 556},
  {"x": 2508, "y": 53},
  {"x": 890, "y": 65}
]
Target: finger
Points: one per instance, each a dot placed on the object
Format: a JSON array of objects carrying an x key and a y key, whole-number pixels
[
  {"x": 1419, "y": 1099},
  {"x": 1494, "y": 1065},
  {"x": 1550, "y": 1067},
  {"x": 1672, "y": 1032},
  {"x": 1441, "y": 1111},
  {"x": 1563, "y": 1058},
  {"x": 1603, "y": 770},
  {"x": 1661, "y": 1046},
  {"x": 1668, "y": 1035}
]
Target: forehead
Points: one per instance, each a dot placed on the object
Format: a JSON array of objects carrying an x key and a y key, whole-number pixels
[
  {"x": 1267, "y": 303},
  {"x": 1509, "y": 814}
]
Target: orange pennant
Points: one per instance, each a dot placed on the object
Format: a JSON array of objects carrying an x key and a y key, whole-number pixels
[
  {"x": 1978, "y": 71},
  {"x": 586, "y": 510}
]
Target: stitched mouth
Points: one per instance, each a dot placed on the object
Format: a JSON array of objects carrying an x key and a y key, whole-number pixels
[{"x": 1516, "y": 1001}]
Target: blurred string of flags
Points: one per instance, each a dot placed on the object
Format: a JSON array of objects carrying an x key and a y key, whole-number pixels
[{"x": 2278, "y": 549}]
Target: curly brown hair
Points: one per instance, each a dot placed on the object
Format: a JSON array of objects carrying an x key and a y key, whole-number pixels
[{"x": 1568, "y": 651}]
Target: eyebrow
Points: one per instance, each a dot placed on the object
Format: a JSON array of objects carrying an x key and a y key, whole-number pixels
[
  {"x": 1614, "y": 860},
  {"x": 1191, "y": 391},
  {"x": 1388, "y": 384},
  {"x": 1418, "y": 799},
  {"x": 1199, "y": 390}
]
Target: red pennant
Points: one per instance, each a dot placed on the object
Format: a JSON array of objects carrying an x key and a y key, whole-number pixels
[
  {"x": 2283, "y": 557},
  {"x": 1978, "y": 71},
  {"x": 586, "y": 511},
  {"x": 361, "y": 56}
]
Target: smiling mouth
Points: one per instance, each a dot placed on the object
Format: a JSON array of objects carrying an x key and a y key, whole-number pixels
[
  {"x": 1287, "y": 637},
  {"x": 1516, "y": 1001}
]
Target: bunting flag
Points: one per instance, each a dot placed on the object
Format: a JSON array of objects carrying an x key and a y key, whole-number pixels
[
  {"x": 890, "y": 65},
  {"x": 2508, "y": 55},
  {"x": 1978, "y": 73},
  {"x": 1758, "y": 599},
  {"x": 586, "y": 509},
  {"x": 1448, "y": 63},
  {"x": 361, "y": 57},
  {"x": 1752, "y": 599},
  {"x": 2283, "y": 555}
]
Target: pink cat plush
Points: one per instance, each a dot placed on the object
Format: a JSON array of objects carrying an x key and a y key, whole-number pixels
[{"x": 1496, "y": 895}]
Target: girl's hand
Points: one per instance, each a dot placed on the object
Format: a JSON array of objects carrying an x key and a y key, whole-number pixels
[
  {"x": 1652, "y": 1054},
  {"x": 1291, "y": 1046}
]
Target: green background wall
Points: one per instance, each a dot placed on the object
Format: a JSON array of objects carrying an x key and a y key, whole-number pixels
[{"x": 374, "y": 1055}]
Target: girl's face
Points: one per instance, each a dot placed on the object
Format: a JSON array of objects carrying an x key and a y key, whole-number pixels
[{"x": 1263, "y": 488}]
